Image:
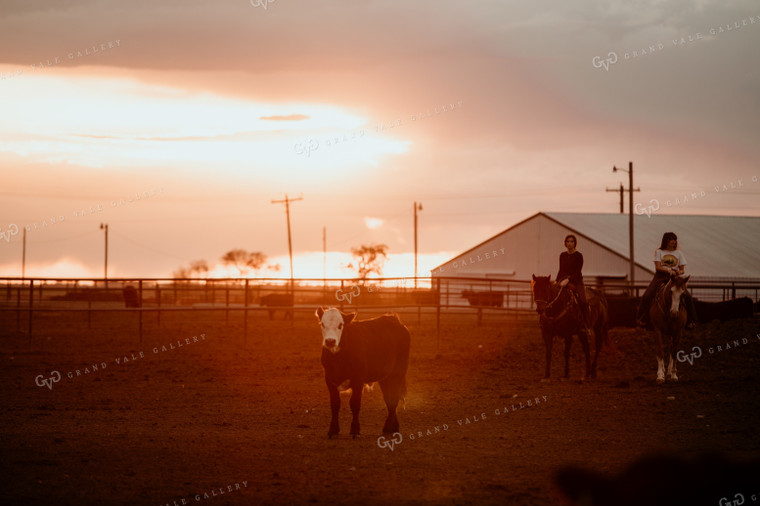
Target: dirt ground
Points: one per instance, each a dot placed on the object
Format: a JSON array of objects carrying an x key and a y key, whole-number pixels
[{"x": 218, "y": 421}]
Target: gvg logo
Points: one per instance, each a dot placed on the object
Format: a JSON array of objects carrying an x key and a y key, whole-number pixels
[
  {"x": 12, "y": 230},
  {"x": 689, "y": 357},
  {"x": 599, "y": 62},
  {"x": 737, "y": 501},
  {"x": 384, "y": 443},
  {"x": 341, "y": 295},
  {"x": 307, "y": 147},
  {"x": 55, "y": 377},
  {"x": 355, "y": 292},
  {"x": 262, "y": 3},
  {"x": 648, "y": 210}
]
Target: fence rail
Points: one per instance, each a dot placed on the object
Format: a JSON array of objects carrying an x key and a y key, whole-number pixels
[{"x": 166, "y": 296}]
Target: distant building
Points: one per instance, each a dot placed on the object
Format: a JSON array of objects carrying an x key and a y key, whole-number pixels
[{"x": 724, "y": 248}]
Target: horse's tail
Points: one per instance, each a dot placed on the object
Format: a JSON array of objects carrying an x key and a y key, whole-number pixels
[{"x": 601, "y": 322}]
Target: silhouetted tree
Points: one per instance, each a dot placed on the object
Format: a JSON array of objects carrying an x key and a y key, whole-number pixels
[
  {"x": 369, "y": 259},
  {"x": 197, "y": 267},
  {"x": 245, "y": 261}
]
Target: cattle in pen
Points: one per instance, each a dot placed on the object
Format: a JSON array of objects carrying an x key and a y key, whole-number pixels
[{"x": 357, "y": 353}]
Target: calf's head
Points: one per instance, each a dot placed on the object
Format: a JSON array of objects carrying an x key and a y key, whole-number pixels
[{"x": 333, "y": 322}]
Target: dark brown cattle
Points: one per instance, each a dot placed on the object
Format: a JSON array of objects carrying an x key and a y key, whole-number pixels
[
  {"x": 622, "y": 310},
  {"x": 667, "y": 480},
  {"x": 724, "y": 311},
  {"x": 130, "y": 296},
  {"x": 494, "y": 298},
  {"x": 275, "y": 301},
  {"x": 358, "y": 353}
]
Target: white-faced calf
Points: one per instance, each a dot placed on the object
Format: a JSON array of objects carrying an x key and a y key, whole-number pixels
[{"x": 364, "y": 352}]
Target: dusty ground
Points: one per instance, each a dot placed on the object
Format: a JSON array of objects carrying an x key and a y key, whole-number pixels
[{"x": 216, "y": 414}]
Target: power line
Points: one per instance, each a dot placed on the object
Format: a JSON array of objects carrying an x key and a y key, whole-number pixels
[{"x": 148, "y": 247}]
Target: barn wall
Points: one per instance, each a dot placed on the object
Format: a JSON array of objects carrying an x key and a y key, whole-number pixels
[{"x": 534, "y": 247}]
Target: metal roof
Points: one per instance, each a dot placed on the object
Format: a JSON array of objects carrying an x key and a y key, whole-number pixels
[{"x": 715, "y": 246}]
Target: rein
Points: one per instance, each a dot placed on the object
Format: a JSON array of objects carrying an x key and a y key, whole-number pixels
[
  {"x": 661, "y": 299},
  {"x": 549, "y": 305}
]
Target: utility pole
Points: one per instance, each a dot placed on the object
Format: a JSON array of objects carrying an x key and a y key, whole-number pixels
[
  {"x": 416, "y": 207},
  {"x": 324, "y": 255},
  {"x": 104, "y": 226},
  {"x": 23, "y": 256},
  {"x": 287, "y": 202},
  {"x": 630, "y": 216},
  {"x": 621, "y": 195}
]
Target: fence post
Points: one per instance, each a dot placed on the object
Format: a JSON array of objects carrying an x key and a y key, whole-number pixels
[
  {"x": 18, "y": 308},
  {"x": 227, "y": 302},
  {"x": 245, "y": 314},
  {"x": 292, "y": 302},
  {"x": 139, "y": 306},
  {"x": 31, "y": 304},
  {"x": 438, "y": 316},
  {"x": 158, "y": 301}
]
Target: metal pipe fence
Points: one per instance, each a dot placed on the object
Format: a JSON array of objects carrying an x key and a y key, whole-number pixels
[{"x": 161, "y": 297}]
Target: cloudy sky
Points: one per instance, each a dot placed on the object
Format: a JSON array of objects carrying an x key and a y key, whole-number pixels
[{"x": 486, "y": 112}]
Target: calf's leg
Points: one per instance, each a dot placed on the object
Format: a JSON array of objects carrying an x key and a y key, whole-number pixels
[
  {"x": 356, "y": 403},
  {"x": 335, "y": 408},
  {"x": 391, "y": 388}
]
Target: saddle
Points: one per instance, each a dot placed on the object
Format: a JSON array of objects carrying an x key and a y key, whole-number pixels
[{"x": 570, "y": 286}]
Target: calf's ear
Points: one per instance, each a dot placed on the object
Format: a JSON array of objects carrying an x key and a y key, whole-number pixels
[
  {"x": 348, "y": 318},
  {"x": 686, "y": 279},
  {"x": 319, "y": 312}
]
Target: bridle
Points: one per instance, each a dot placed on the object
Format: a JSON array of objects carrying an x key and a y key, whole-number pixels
[
  {"x": 666, "y": 293},
  {"x": 548, "y": 305}
]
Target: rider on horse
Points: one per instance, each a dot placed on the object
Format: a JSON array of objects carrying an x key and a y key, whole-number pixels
[
  {"x": 570, "y": 265},
  {"x": 668, "y": 261}
]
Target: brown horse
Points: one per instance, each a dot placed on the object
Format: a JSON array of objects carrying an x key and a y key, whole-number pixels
[
  {"x": 668, "y": 316},
  {"x": 559, "y": 315}
]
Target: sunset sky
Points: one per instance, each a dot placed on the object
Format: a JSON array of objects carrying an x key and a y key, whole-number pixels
[{"x": 486, "y": 112}]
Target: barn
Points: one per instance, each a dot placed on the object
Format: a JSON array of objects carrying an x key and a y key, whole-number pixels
[{"x": 718, "y": 249}]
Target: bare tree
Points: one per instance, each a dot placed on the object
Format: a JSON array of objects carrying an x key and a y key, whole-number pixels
[
  {"x": 369, "y": 259},
  {"x": 244, "y": 261},
  {"x": 199, "y": 267}
]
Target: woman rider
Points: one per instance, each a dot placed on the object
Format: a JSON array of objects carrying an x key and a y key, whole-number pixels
[
  {"x": 668, "y": 260},
  {"x": 570, "y": 265}
]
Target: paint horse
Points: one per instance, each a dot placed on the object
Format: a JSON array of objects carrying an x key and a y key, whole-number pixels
[
  {"x": 668, "y": 316},
  {"x": 560, "y": 315}
]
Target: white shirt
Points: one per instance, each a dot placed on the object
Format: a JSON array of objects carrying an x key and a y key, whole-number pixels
[{"x": 672, "y": 259}]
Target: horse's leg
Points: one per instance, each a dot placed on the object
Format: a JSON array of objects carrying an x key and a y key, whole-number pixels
[
  {"x": 674, "y": 341},
  {"x": 585, "y": 337},
  {"x": 568, "y": 343},
  {"x": 597, "y": 345},
  {"x": 660, "y": 356},
  {"x": 548, "y": 343}
]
